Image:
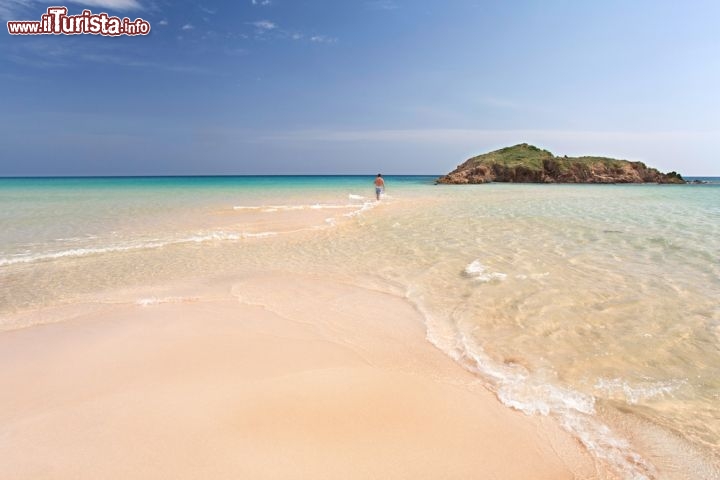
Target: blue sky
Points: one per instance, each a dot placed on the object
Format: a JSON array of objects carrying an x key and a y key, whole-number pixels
[{"x": 332, "y": 87}]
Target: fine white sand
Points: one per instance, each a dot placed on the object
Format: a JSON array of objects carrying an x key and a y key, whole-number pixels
[{"x": 277, "y": 378}]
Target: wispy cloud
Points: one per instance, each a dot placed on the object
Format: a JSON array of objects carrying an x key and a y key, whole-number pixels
[
  {"x": 263, "y": 3},
  {"x": 660, "y": 149},
  {"x": 479, "y": 136},
  {"x": 187, "y": 27},
  {"x": 7, "y": 7},
  {"x": 19, "y": 78},
  {"x": 264, "y": 25},
  {"x": 40, "y": 53},
  {"x": 296, "y": 36},
  {"x": 163, "y": 23},
  {"x": 266, "y": 29},
  {"x": 134, "y": 63},
  {"x": 111, "y": 4},
  {"x": 16, "y": 9},
  {"x": 47, "y": 54},
  {"x": 323, "y": 39}
]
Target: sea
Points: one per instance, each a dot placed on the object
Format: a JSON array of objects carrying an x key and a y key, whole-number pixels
[{"x": 597, "y": 305}]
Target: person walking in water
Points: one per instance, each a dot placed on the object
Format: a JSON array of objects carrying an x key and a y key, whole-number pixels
[{"x": 379, "y": 186}]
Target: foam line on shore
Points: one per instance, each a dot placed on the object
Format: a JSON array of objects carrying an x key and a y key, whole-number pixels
[
  {"x": 290, "y": 208},
  {"x": 82, "y": 252},
  {"x": 149, "y": 301},
  {"x": 516, "y": 388},
  {"x": 197, "y": 238},
  {"x": 347, "y": 393}
]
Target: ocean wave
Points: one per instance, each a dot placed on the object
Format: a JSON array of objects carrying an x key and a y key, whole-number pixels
[
  {"x": 478, "y": 272},
  {"x": 517, "y": 388},
  {"x": 82, "y": 252},
  {"x": 634, "y": 394},
  {"x": 290, "y": 208},
  {"x": 199, "y": 238},
  {"x": 146, "y": 302},
  {"x": 364, "y": 208}
]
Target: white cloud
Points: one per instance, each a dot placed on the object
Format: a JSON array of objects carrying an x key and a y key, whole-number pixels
[
  {"x": 163, "y": 22},
  {"x": 235, "y": 51},
  {"x": 187, "y": 26},
  {"x": 452, "y": 135},
  {"x": 110, "y": 4},
  {"x": 114, "y": 59},
  {"x": 48, "y": 53},
  {"x": 17, "y": 9},
  {"x": 9, "y": 9},
  {"x": 685, "y": 151},
  {"x": 263, "y": 3},
  {"x": 323, "y": 39},
  {"x": 264, "y": 25},
  {"x": 43, "y": 53},
  {"x": 690, "y": 152}
]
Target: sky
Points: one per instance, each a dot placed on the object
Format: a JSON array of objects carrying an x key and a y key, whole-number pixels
[{"x": 360, "y": 87}]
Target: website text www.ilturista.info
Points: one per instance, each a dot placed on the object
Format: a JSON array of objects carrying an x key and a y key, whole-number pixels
[{"x": 57, "y": 22}]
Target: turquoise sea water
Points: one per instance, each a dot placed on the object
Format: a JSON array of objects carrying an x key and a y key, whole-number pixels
[
  {"x": 52, "y": 216},
  {"x": 598, "y": 305}
]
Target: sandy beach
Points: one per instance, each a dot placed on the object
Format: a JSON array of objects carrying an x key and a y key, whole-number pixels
[
  {"x": 294, "y": 328},
  {"x": 380, "y": 239},
  {"x": 279, "y": 377}
]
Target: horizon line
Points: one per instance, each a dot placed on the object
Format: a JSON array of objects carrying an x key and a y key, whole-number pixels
[{"x": 229, "y": 175}]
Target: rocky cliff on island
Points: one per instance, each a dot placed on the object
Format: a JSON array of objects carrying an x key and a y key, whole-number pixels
[{"x": 529, "y": 164}]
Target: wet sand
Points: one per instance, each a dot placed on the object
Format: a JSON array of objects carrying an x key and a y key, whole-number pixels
[{"x": 274, "y": 377}]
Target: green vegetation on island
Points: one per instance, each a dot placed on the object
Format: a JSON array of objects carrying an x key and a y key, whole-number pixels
[{"x": 525, "y": 163}]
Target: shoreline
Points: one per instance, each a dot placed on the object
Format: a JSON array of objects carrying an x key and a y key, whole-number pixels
[
  {"x": 376, "y": 255},
  {"x": 280, "y": 377}
]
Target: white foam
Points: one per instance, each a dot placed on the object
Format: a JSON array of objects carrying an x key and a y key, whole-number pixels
[
  {"x": 259, "y": 234},
  {"x": 291, "y": 208},
  {"x": 218, "y": 236},
  {"x": 332, "y": 207},
  {"x": 146, "y": 302},
  {"x": 75, "y": 252},
  {"x": 533, "y": 276},
  {"x": 243, "y": 207},
  {"x": 517, "y": 388},
  {"x": 478, "y": 272},
  {"x": 356, "y": 209},
  {"x": 634, "y": 394},
  {"x": 76, "y": 239},
  {"x": 365, "y": 207}
]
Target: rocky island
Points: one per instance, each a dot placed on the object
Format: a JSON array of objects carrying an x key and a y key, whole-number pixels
[{"x": 525, "y": 163}]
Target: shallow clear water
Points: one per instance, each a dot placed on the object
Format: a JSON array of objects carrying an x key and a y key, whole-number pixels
[{"x": 596, "y": 304}]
